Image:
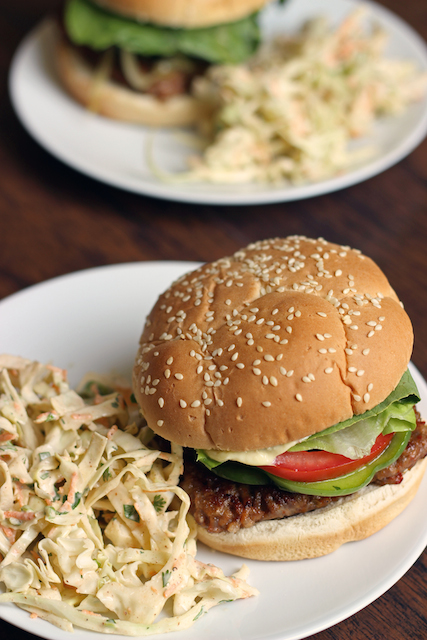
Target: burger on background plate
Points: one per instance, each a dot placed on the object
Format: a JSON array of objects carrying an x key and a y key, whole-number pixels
[
  {"x": 135, "y": 60},
  {"x": 283, "y": 371}
]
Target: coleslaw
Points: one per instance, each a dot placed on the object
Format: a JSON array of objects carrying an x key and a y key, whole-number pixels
[
  {"x": 93, "y": 525},
  {"x": 294, "y": 111}
]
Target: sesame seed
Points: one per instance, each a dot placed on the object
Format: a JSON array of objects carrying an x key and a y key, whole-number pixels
[
  {"x": 160, "y": 423},
  {"x": 264, "y": 380},
  {"x": 352, "y": 369},
  {"x": 234, "y": 356},
  {"x": 348, "y": 351},
  {"x": 256, "y": 371},
  {"x": 179, "y": 376},
  {"x": 182, "y": 403},
  {"x": 282, "y": 371},
  {"x": 269, "y": 357},
  {"x": 161, "y": 403},
  {"x": 360, "y": 372},
  {"x": 366, "y": 397},
  {"x": 167, "y": 373},
  {"x": 289, "y": 329},
  {"x": 195, "y": 404},
  {"x": 319, "y": 337},
  {"x": 273, "y": 381},
  {"x": 371, "y": 333},
  {"x": 306, "y": 379},
  {"x": 169, "y": 360},
  {"x": 354, "y": 327},
  {"x": 270, "y": 336},
  {"x": 290, "y": 373},
  {"x": 378, "y": 327},
  {"x": 357, "y": 398},
  {"x": 329, "y": 370},
  {"x": 298, "y": 397},
  {"x": 240, "y": 365},
  {"x": 321, "y": 314},
  {"x": 323, "y": 351},
  {"x": 239, "y": 402},
  {"x": 365, "y": 352},
  {"x": 219, "y": 402}
]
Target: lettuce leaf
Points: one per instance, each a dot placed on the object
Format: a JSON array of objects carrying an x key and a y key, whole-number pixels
[
  {"x": 355, "y": 437},
  {"x": 358, "y": 439},
  {"x": 89, "y": 25}
]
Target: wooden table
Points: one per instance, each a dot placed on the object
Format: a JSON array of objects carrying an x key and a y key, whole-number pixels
[{"x": 54, "y": 220}]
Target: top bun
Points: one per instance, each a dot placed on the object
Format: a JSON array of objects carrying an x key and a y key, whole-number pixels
[
  {"x": 189, "y": 14},
  {"x": 279, "y": 341}
]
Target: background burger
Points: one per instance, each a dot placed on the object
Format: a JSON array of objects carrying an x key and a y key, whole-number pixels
[
  {"x": 135, "y": 60},
  {"x": 283, "y": 371}
]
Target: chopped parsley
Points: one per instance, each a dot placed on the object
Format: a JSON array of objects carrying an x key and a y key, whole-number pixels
[
  {"x": 159, "y": 503},
  {"x": 130, "y": 512},
  {"x": 166, "y": 577}
]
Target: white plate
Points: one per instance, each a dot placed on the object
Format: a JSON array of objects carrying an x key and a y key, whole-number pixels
[
  {"x": 114, "y": 152},
  {"x": 91, "y": 320}
]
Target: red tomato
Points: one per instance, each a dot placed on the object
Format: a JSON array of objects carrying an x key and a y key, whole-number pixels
[{"x": 311, "y": 466}]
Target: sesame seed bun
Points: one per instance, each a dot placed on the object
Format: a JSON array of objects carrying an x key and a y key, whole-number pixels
[
  {"x": 182, "y": 13},
  {"x": 279, "y": 341},
  {"x": 113, "y": 100},
  {"x": 314, "y": 534}
]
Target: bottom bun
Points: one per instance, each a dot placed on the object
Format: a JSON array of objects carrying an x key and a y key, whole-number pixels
[
  {"x": 113, "y": 100},
  {"x": 314, "y": 534}
]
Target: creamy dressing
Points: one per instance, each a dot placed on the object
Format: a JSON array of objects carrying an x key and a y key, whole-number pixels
[{"x": 257, "y": 458}]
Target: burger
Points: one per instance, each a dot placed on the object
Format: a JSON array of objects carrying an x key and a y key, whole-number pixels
[
  {"x": 283, "y": 372},
  {"x": 135, "y": 60}
]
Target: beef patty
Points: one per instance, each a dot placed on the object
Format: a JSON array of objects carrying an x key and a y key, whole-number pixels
[{"x": 222, "y": 505}]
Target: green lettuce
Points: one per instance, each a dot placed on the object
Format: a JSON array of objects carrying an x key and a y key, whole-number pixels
[
  {"x": 89, "y": 25},
  {"x": 355, "y": 437},
  {"x": 357, "y": 440}
]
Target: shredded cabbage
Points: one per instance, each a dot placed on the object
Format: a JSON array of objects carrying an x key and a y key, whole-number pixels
[
  {"x": 93, "y": 525},
  {"x": 291, "y": 112}
]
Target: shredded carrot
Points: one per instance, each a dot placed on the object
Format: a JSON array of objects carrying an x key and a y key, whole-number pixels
[
  {"x": 112, "y": 431},
  {"x": 20, "y": 515}
]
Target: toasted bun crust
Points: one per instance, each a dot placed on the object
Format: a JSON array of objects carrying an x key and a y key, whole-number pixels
[
  {"x": 283, "y": 339},
  {"x": 320, "y": 532},
  {"x": 184, "y": 13},
  {"x": 115, "y": 101}
]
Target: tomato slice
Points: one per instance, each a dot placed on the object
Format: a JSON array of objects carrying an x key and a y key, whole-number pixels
[{"x": 311, "y": 466}]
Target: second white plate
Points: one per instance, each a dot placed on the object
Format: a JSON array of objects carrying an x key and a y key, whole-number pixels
[{"x": 115, "y": 152}]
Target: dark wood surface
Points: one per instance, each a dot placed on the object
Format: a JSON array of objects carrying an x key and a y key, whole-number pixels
[{"x": 53, "y": 220}]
